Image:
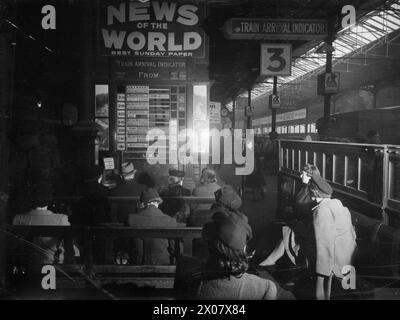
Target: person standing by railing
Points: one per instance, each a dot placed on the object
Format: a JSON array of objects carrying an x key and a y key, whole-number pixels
[
  {"x": 297, "y": 234},
  {"x": 335, "y": 237}
]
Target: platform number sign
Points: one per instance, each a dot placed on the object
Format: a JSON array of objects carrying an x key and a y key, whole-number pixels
[{"x": 276, "y": 59}]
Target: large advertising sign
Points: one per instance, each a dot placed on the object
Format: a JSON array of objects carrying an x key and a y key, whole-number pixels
[{"x": 160, "y": 29}]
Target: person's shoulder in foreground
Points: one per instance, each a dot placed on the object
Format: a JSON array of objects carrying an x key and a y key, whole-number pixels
[{"x": 244, "y": 287}]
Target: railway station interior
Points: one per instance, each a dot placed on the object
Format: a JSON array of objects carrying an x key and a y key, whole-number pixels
[{"x": 210, "y": 149}]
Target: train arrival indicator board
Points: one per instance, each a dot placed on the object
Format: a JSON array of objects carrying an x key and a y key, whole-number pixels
[
  {"x": 285, "y": 29},
  {"x": 276, "y": 59}
]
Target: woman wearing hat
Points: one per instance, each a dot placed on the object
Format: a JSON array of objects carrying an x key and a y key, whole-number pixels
[
  {"x": 157, "y": 250},
  {"x": 173, "y": 203},
  {"x": 225, "y": 274},
  {"x": 335, "y": 238},
  {"x": 226, "y": 200},
  {"x": 296, "y": 240},
  {"x": 207, "y": 187}
]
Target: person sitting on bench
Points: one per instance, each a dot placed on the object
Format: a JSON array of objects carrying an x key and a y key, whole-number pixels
[
  {"x": 39, "y": 215},
  {"x": 225, "y": 274},
  {"x": 157, "y": 251}
]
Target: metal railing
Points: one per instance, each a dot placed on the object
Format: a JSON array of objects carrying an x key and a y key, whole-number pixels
[{"x": 368, "y": 172}]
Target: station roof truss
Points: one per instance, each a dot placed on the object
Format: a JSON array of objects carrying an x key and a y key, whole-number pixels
[{"x": 371, "y": 30}]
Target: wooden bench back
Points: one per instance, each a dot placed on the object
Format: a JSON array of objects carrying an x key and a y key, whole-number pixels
[{"x": 159, "y": 276}]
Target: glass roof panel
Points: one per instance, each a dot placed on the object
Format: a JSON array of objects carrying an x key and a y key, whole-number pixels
[
  {"x": 371, "y": 27},
  {"x": 392, "y": 22}
]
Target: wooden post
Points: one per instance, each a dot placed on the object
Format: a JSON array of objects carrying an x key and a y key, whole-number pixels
[
  {"x": 7, "y": 55},
  {"x": 85, "y": 130},
  {"x": 86, "y": 110},
  {"x": 233, "y": 112}
]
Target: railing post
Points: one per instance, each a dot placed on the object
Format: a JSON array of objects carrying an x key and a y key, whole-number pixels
[
  {"x": 346, "y": 164},
  {"x": 385, "y": 184},
  {"x": 280, "y": 155}
]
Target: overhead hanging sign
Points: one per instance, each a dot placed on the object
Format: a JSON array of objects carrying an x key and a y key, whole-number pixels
[
  {"x": 276, "y": 59},
  {"x": 284, "y": 29},
  {"x": 160, "y": 29}
]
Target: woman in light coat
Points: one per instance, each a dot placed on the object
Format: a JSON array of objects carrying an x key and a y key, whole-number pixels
[{"x": 335, "y": 238}]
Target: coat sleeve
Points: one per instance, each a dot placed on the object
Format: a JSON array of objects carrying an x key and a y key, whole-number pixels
[{"x": 325, "y": 240}]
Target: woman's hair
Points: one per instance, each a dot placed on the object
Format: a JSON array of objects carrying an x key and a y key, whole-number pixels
[
  {"x": 226, "y": 237},
  {"x": 311, "y": 169},
  {"x": 145, "y": 205},
  {"x": 208, "y": 176},
  {"x": 224, "y": 261},
  {"x": 316, "y": 192}
]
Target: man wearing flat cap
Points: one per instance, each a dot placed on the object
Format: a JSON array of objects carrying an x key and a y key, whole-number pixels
[
  {"x": 335, "y": 238},
  {"x": 173, "y": 204}
]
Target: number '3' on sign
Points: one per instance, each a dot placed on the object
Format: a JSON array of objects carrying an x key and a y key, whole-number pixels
[{"x": 276, "y": 59}]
